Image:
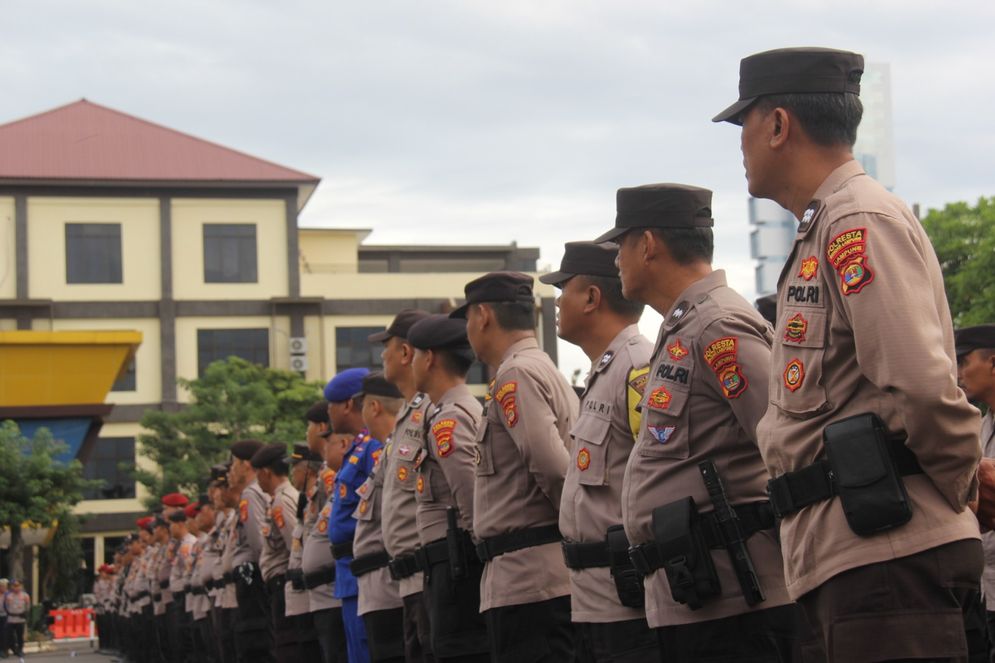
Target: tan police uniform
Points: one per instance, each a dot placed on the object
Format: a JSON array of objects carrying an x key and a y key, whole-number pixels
[
  {"x": 318, "y": 567},
  {"x": 253, "y": 634},
  {"x": 273, "y": 563},
  {"x": 601, "y": 440}
]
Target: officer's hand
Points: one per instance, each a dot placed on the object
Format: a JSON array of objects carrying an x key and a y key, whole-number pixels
[{"x": 986, "y": 493}]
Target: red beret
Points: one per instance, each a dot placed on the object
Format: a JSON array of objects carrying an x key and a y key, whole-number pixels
[
  {"x": 192, "y": 510},
  {"x": 175, "y": 500},
  {"x": 106, "y": 568},
  {"x": 144, "y": 523}
]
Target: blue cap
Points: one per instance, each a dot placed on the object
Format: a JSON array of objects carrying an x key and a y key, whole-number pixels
[{"x": 345, "y": 385}]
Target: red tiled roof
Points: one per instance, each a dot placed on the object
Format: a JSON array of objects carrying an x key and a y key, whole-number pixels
[{"x": 86, "y": 141}]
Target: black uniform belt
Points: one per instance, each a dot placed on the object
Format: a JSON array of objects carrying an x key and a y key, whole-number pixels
[
  {"x": 585, "y": 555},
  {"x": 296, "y": 578},
  {"x": 227, "y": 579},
  {"x": 430, "y": 554},
  {"x": 157, "y": 598},
  {"x": 163, "y": 584},
  {"x": 322, "y": 576},
  {"x": 340, "y": 550},
  {"x": 140, "y": 595},
  {"x": 494, "y": 546},
  {"x": 369, "y": 563},
  {"x": 753, "y": 517},
  {"x": 403, "y": 566},
  {"x": 199, "y": 591},
  {"x": 275, "y": 583},
  {"x": 793, "y": 491},
  {"x": 213, "y": 584}
]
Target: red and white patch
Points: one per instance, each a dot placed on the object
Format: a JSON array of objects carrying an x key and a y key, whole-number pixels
[
  {"x": 442, "y": 431},
  {"x": 794, "y": 374},
  {"x": 505, "y": 396},
  {"x": 721, "y": 356},
  {"x": 795, "y": 329},
  {"x": 583, "y": 459},
  {"x": 847, "y": 254},
  {"x": 659, "y": 398}
]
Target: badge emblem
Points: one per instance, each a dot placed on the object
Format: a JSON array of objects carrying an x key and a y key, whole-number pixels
[
  {"x": 243, "y": 510},
  {"x": 847, "y": 254},
  {"x": 677, "y": 351},
  {"x": 342, "y": 491},
  {"x": 659, "y": 398},
  {"x": 583, "y": 459},
  {"x": 795, "y": 329},
  {"x": 808, "y": 216},
  {"x": 661, "y": 433},
  {"x": 809, "y": 268},
  {"x": 678, "y": 312},
  {"x": 363, "y": 506},
  {"x": 640, "y": 377},
  {"x": 732, "y": 380},
  {"x": 402, "y": 473},
  {"x": 606, "y": 359},
  {"x": 353, "y": 459},
  {"x": 328, "y": 479},
  {"x": 794, "y": 374},
  {"x": 416, "y": 416},
  {"x": 277, "y": 512},
  {"x": 442, "y": 431},
  {"x": 506, "y": 397},
  {"x": 420, "y": 484}
]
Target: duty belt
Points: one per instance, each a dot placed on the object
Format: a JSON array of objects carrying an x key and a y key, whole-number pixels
[
  {"x": 364, "y": 564},
  {"x": 753, "y": 517},
  {"x": 322, "y": 576},
  {"x": 296, "y": 578},
  {"x": 494, "y": 546},
  {"x": 430, "y": 554},
  {"x": 793, "y": 491},
  {"x": 585, "y": 555},
  {"x": 227, "y": 579},
  {"x": 403, "y": 567},
  {"x": 163, "y": 584},
  {"x": 275, "y": 583},
  {"x": 340, "y": 550},
  {"x": 199, "y": 591}
]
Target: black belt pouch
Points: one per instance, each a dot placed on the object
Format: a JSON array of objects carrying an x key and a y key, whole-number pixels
[
  {"x": 628, "y": 582},
  {"x": 870, "y": 488},
  {"x": 686, "y": 557}
]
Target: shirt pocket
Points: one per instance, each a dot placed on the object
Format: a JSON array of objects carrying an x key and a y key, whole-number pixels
[
  {"x": 405, "y": 470},
  {"x": 423, "y": 484},
  {"x": 367, "y": 506},
  {"x": 483, "y": 457},
  {"x": 665, "y": 431},
  {"x": 590, "y": 433},
  {"x": 799, "y": 389}
]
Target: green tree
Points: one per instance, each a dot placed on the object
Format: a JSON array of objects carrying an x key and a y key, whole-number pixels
[
  {"x": 61, "y": 560},
  {"x": 34, "y": 488},
  {"x": 964, "y": 239},
  {"x": 234, "y": 399}
]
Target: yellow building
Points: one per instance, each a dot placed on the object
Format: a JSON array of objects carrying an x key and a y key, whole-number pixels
[{"x": 111, "y": 222}]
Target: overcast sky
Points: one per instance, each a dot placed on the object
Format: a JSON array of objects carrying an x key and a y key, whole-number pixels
[{"x": 511, "y": 121}]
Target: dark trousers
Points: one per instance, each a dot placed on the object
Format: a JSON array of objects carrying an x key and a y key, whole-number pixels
[
  {"x": 385, "y": 635},
  {"x": 631, "y": 641},
  {"x": 417, "y": 631},
  {"x": 921, "y": 607},
  {"x": 308, "y": 648},
  {"x": 331, "y": 635},
  {"x": 228, "y": 618},
  {"x": 285, "y": 648},
  {"x": 253, "y": 636},
  {"x": 15, "y": 633},
  {"x": 458, "y": 630},
  {"x": 531, "y": 632},
  {"x": 760, "y": 636},
  {"x": 203, "y": 633}
]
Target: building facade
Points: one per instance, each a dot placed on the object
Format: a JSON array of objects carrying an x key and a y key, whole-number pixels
[{"x": 110, "y": 222}]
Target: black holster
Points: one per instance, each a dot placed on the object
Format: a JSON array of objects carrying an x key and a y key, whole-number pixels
[
  {"x": 628, "y": 581},
  {"x": 457, "y": 541},
  {"x": 687, "y": 559},
  {"x": 867, "y": 480}
]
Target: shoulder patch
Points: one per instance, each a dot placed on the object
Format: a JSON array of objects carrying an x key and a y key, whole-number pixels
[
  {"x": 243, "y": 510},
  {"x": 277, "y": 512},
  {"x": 847, "y": 254},
  {"x": 506, "y": 397},
  {"x": 442, "y": 431},
  {"x": 721, "y": 356},
  {"x": 638, "y": 377}
]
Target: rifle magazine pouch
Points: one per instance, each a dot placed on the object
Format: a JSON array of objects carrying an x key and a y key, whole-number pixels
[
  {"x": 871, "y": 490},
  {"x": 628, "y": 581},
  {"x": 687, "y": 559}
]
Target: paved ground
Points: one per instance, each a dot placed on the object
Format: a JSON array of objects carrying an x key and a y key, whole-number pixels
[{"x": 66, "y": 653}]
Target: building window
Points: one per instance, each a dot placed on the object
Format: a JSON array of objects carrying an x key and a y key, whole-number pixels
[
  {"x": 93, "y": 253},
  {"x": 126, "y": 381},
  {"x": 110, "y": 460},
  {"x": 219, "y": 344},
  {"x": 352, "y": 350},
  {"x": 230, "y": 253}
]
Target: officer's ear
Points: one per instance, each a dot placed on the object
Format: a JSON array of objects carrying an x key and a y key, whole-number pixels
[
  {"x": 593, "y": 299},
  {"x": 781, "y": 127}
]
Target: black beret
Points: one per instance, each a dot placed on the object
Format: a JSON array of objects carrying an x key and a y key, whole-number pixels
[
  {"x": 302, "y": 453},
  {"x": 400, "y": 326},
  {"x": 794, "y": 71},
  {"x": 980, "y": 337},
  {"x": 660, "y": 206},
  {"x": 589, "y": 258},
  {"x": 178, "y": 517},
  {"x": 246, "y": 449},
  {"x": 220, "y": 471},
  {"x": 203, "y": 500},
  {"x": 318, "y": 413},
  {"x": 161, "y": 522},
  {"x": 269, "y": 455},
  {"x": 375, "y": 384},
  {"x": 497, "y": 287},
  {"x": 439, "y": 332}
]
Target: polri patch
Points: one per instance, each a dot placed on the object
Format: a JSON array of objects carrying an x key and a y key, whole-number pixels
[
  {"x": 794, "y": 374},
  {"x": 583, "y": 459},
  {"x": 796, "y": 328},
  {"x": 661, "y": 433},
  {"x": 677, "y": 351},
  {"x": 442, "y": 431},
  {"x": 659, "y": 398},
  {"x": 847, "y": 254},
  {"x": 509, "y": 404},
  {"x": 809, "y": 268}
]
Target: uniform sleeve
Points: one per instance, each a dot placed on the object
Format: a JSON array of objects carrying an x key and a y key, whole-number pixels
[
  {"x": 635, "y": 387},
  {"x": 735, "y": 357},
  {"x": 527, "y": 413},
  {"x": 880, "y": 270},
  {"x": 374, "y": 450},
  {"x": 452, "y": 436},
  {"x": 256, "y": 521},
  {"x": 285, "y": 517}
]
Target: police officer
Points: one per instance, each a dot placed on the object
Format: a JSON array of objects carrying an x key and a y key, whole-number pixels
[
  {"x": 521, "y": 462},
  {"x": 200, "y": 604},
  {"x": 380, "y": 603},
  {"x": 305, "y": 465},
  {"x": 444, "y": 490},
  {"x": 695, "y": 464},
  {"x": 182, "y": 551},
  {"x": 160, "y": 566},
  {"x": 345, "y": 415},
  {"x": 221, "y": 589},
  {"x": 317, "y": 563},
  {"x": 253, "y": 636},
  {"x": 400, "y": 531},
  {"x": 271, "y": 469},
  {"x": 863, "y": 359},
  {"x": 606, "y": 598}
]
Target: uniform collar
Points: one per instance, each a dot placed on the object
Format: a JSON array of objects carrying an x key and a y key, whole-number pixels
[
  {"x": 524, "y": 344},
  {"x": 694, "y": 294},
  {"x": 833, "y": 183},
  {"x": 606, "y": 358},
  {"x": 453, "y": 394}
]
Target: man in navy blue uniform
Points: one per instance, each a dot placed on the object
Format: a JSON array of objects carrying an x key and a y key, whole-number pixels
[{"x": 345, "y": 410}]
